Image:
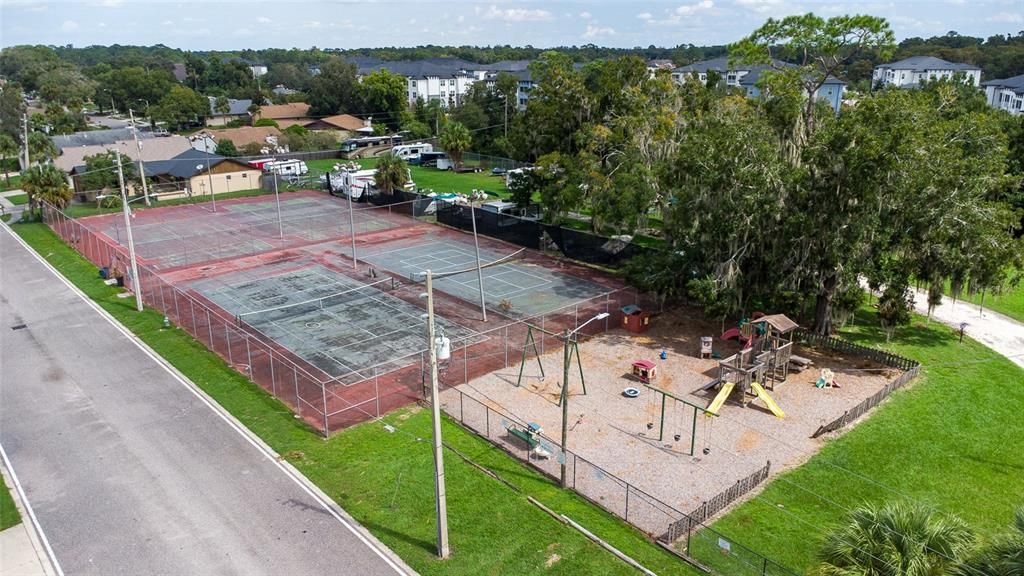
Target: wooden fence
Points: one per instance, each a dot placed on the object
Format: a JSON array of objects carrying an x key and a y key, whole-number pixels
[
  {"x": 717, "y": 503},
  {"x": 911, "y": 368}
]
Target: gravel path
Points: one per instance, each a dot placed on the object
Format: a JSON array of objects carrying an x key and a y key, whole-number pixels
[{"x": 1000, "y": 333}]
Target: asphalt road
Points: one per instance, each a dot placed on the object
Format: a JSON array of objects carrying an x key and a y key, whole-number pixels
[{"x": 128, "y": 470}]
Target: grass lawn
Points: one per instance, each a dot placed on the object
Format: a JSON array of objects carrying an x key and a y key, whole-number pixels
[
  {"x": 440, "y": 181},
  {"x": 1010, "y": 302},
  {"x": 385, "y": 479},
  {"x": 14, "y": 184},
  {"x": 18, "y": 199},
  {"x": 949, "y": 441},
  {"x": 9, "y": 515}
]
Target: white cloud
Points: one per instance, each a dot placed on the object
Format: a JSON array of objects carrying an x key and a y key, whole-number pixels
[
  {"x": 676, "y": 16},
  {"x": 760, "y": 5},
  {"x": 264, "y": 20},
  {"x": 516, "y": 14},
  {"x": 69, "y": 26},
  {"x": 1009, "y": 17},
  {"x": 460, "y": 19},
  {"x": 110, "y": 3},
  {"x": 596, "y": 32},
  {"x": 586, "y": 15},
  {"x": 956, "y": 2}
]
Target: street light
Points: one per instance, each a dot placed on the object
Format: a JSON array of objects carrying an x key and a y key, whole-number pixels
[{"x": 569, "y": 338}]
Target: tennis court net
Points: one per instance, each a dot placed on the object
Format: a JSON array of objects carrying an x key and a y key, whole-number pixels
[{"x": 285, "y": 311}]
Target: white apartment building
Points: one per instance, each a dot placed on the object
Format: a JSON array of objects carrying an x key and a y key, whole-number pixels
[
  {"x": 911, "y": 72},
  {"x": 1006, "y": 94}
]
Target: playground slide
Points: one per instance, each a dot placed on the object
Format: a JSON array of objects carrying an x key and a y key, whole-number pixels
[
  {"x": 763, "y": 395},
  {"x": 723, "y": 394},
  {"x": 731, "y": 333}
]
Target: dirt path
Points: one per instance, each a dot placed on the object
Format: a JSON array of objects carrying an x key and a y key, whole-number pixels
[{"x": 1000, "y": 333}]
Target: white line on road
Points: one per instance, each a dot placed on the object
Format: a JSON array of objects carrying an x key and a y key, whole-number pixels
[
  {"x": 236, "y": 426},
  {"x": 31, "y": 513}
]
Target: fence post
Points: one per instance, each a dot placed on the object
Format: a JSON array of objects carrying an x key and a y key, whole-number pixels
[{"x": 627, "y": 502}]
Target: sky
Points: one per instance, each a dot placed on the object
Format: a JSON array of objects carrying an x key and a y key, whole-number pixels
[{"x": 240, "y": 24}]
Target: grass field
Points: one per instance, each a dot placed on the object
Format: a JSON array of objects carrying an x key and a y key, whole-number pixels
[
  {"x": 13, "y": 184},
  {"x": 18, "y": 199},
  {"x": 9, "y": 515},
  {"x": 1009, "y": 302},
  {"x": 385, "y": 479},
  {"x": 440, "y": 181},
  {"x": 944, "y": 442}
]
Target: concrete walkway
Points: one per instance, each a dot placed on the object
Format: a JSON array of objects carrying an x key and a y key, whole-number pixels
[
  {"x": 21, "y": 552},
  {"x": 1000, "y": 333}
]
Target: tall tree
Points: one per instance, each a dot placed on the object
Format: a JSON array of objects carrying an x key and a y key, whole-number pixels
[
  {"x": 334, "y": 90},
  {"x": 895, "y": 540},
  {"x": 101, "y": 171},
  {"x": 41, "y": 148},
  {"x": 8, "y": 149},
  {"x": 383, "y": 94},
  {"x": 455, "y": 139},
  {"x": 181, "y": 106},
  {"x": 558, "y": 107},
  {"x": 12, "y": 106},
  {"x": 45, "y": 182},
  {"x": 392, "y": 174}
]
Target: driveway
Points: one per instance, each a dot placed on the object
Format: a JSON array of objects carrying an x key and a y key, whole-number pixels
[
  {"x": 131, "y": 470},
  {"x": 1000, "y": 333}
]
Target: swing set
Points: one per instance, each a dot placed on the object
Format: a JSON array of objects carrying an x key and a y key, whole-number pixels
[
  {"x": 679, "y": 407},
  {"x": 531, "y": 341}
]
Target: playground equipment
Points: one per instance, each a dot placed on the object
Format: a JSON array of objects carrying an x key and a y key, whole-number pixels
[
  {"x": 574, "y": 350},
  {"x": 680, "y": 408},
  {"x": 645, "y": 371},
  {"x": 706, "y": 347},
  {"x": 827, "y": 379},
  {"x": 763, "y": 362}
]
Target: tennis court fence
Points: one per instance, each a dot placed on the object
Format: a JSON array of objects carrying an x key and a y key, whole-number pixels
[{"x": 327, "y": 402}]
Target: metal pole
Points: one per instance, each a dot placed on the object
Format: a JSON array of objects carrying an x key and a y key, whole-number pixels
[
  {"x": 277, "y": 197},
  {"x": 440, "y": 498},
  {"x": 565, "y": 405},
  {"x": 24, "y": 122},
  {"x": 213, "y": 196},
  {"x": 137, "y": 288},
  {"x": 352, "y": 227},
  {"x": 142, "y": 167},
  {"x": 479, "y": 270}
]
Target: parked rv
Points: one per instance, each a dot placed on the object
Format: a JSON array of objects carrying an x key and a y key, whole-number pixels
[
  {"x": 285, "y": 167},
  {"x": 411, "y": 152}
]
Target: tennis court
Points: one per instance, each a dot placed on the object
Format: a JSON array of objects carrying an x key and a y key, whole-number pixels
[
  {"x": 336, "y": 323},
  {"x": 514, "y": 288}
]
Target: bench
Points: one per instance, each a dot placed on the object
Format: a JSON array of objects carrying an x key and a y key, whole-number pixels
[{"x": 524, "y": 436}]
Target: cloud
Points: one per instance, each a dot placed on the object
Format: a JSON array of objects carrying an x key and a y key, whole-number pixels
[
  {"x": 243, "y": 33},
  {"x": 167, "y": 23},
  {"x": 264, "y": 20},
  {"x": 586, "y": 15},
  {"x": 69, "y": 26},
  {"x": 1009, "y": 17},
  {"x": 596, "y": 32},
  {"x": 516, "y": 15},
  {"x": 312, "y": 24},
  {"x": 110, "y": 3},
  {"x": 760, "y": 5},
  {"x": 460, "y": 19},
  {"x": 27, "y": 5},
  {"x": 676, "y": 16}
]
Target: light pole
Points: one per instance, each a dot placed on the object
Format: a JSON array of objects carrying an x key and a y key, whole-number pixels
[
  {"x": 569, "y": 339},
  {"x": 136, "y": 281},
  {"x": 277, "y": 198},
  {"x": 440, "y": 497}
]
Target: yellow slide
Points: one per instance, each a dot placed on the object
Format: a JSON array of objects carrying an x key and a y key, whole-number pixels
[
  {"x": 716, "y": 404},
  {"x": 763, "y": 395}
]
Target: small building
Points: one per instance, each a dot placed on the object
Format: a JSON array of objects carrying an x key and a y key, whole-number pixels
[
  {"x": 1006, "y": 94},
  {"x": 346, "y": 125},
  {"x": 264, "y": 136},
  {"x": 237, "y": 110},
  {"x": 195, "y": 172},
  {"x": 285, "y": 114},
  {"x": 911, "y": 72}
]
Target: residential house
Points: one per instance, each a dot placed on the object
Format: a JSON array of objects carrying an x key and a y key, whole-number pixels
[
  {"x": 747, "y": 78},
  {"x": 659, "y": 64},
  {"x": 72, "y": 158},
  {"x": 1006, "y": 94},
  {"x": 345, "y": 125},
  {"x": 97, "y": 137},
  {"x": 910, "y": 72},
  {"x": 285, "y": 114},
  {"x": 282, "y": 90},
  {"x": 195, "y": 172},
  {"x": 237, "y": 110}
]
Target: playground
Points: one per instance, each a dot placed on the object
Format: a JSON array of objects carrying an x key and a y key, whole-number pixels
[{"x": 683, "y": 438}]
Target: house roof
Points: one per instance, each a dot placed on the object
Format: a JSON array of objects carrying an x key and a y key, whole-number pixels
[
  {"x": 96, "y": 137},
  {"x": 235, "y": 107},
  {"x": 780, "y": 322},
  {"x": 430, "y": 67},
  {"x": 923, "y": 63},
  {"x": 190, "y": 163},
  {"x": 244, "y": 135},
  {"x": 153, "y": 149},
  {"x": 344, "y": 122},
  {"x": 1015, "y": 83},
  {"x": 284, "y": 111}
]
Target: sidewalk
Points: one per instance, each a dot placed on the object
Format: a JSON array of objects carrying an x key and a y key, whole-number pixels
[
  {"x": 21, "y": 552},
  {"x": 1000, "y": 333}
]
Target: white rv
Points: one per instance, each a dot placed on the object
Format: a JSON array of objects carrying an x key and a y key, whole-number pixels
[
  {"x": 411, "y": 152},
  {"x": 286, "y": 167},
  {"x": 358, "y": 184}
]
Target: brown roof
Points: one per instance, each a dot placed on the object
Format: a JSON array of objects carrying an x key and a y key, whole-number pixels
[
  {"x": 282, "y": 111},
  {"x": 780, "y": 322},
  {"x": 344, "y": 122},
  {"x": 244, "y": 135},
  {"x": 152, "y": 149}
]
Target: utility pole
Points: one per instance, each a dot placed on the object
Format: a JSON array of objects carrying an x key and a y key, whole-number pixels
[
  {"x": 277, "y": 197},
  {"x": 565, "y": 404},
  {"x": 142, "y": 167},
  {"x": 440, "y": 498},
  {"x": 479, "y": 270},
  {"x": 136, "y": 281},
  {"x": 24, "y": 124}
]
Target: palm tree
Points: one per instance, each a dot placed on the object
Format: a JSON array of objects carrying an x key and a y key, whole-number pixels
[
  {"x": 1003, "y": 556},
  {"x": 896, "y": 539},
  {"x": 8, "y": 149},
  {"x": 392, "y": 174},
  {"x": 45, "y": 182},
  {"x": 40, "y": 147},
  {"x": 455, "y": 139}
]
